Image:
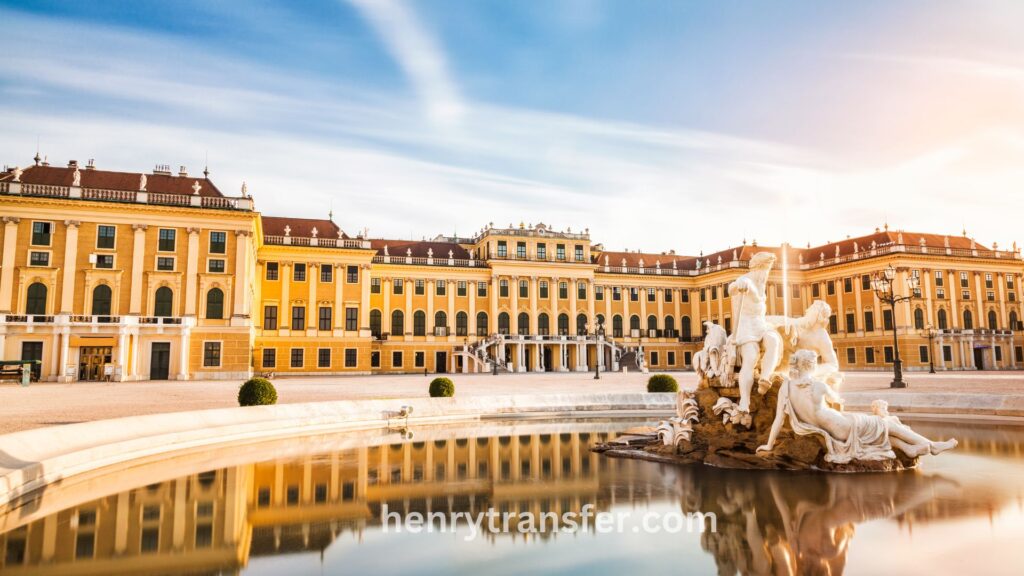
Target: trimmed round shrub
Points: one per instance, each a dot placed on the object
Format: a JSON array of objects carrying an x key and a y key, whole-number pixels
[
  {"x": 257, "y": 392},
  {"x": 441, "y": 388},
  {"x": 662, "y": 383}
]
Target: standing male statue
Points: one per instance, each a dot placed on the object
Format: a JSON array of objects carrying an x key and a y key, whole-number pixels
[{"x": 752, "y": 334}]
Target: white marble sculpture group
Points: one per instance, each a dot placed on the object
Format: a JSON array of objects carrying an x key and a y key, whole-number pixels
[{"x": 795, "y": 354}]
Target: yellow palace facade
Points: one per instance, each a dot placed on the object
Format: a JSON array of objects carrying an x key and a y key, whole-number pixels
[{"x": 130, "y": 276}]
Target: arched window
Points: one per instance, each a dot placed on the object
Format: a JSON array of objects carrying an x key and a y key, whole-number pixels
[
  {"x": 634, "y": 323},
  {"x": 163, "y": 302},
  {"x": 968, "y": 320},
  {"x": 617, "y": 326},
  {"x": 581, "y": 324},
  {"x": 375, "y": 321},
  {"x": 419, "y": 323},
  {"x": 215, "y": 304},
  {"x": 652, "y": 322},
  {"x": 670, "y": 326},
  {"x": 993, "y": 322},
  {"x": 1013, "y": 320},
  {"x": 503, "y": 323},
  {"x": 397, "y": 323},
  {"x": 918, "y": 319},
  {"x": 599, "y": 321},
  {"x": 685, "y": 331},
  {"x": 543, "y": 324},
  {"x": 461, "y": 324},
  {"x": 101, "y": 297},
  {"x": 943, "y": 321},
  {"x": 523, "y": 323},
  {"x": 35, "y": 299},
  {"x": 440, "y": 319},
  {"x": 563, "y": 324},
  {"x": 481, "y": 323}
]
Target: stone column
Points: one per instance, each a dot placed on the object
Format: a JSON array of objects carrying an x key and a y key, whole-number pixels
[
  {"x": 643, "y": 311},
  {"x": 185, "y": 344},
  {"x": 65, "y": 356},
  {"x": 659, "y": 295},
  {"x": 471, "y": 293},
  {"x": 408, "y": 287},
  {"x": 493, "y": 296},
  {"x": 122, "y": 353},
  {"x": 67, "y": 281},
  {"x": 451, "y": 307},
  {"x": 954, "y": 287},
  {"x": 573, "y": 288},
  {"x": 242, "y": 306},
  {"x": 533, "y": 306},
  {"x": 927, "y": 281},
  {"x": 7, "y": 265},
  {"x": 312, "y": 306},
  {"x": 429, "y": 289},
  {"x": 980, "y": 317},
  {"x": 138, "y": 264},
  {"x": 339, "y": 298},
  {"x": 513, "y": 294},
  {"x": 520, "y": 357},
  {"x": 591, "y": 305},
  {"x": 192, "y": 272},
  {"x": 1000, "y": 279},
  {"x": 385, "y": 315},
  {"x": 284, "y": 312},
  {"x": 364, "y": 300}
]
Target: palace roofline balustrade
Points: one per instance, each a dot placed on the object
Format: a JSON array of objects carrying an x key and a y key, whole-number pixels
[{"x": 243, "y": 203}]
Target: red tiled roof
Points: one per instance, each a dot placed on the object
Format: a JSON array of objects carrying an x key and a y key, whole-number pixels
[
  {"x": 300, "y": 227},
  {"x": 633, "y": 259},
  {"x": 109, "y": 180},
  {"x": 890, "y": 237},
  {"x": 419, "y": 248}
]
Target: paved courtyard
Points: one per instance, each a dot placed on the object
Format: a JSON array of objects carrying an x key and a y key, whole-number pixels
[{"x": 55, "y": 404}]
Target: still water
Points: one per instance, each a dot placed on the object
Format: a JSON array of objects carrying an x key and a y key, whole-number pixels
[{"x": 315, "y": 505}]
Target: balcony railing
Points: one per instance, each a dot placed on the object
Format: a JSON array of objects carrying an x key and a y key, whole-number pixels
[
  {"x": 276, "y": 240},
  {"x": 127, "y": 196},
  {"x": 979, "y": 252},
  {"x": 421, "y": 261}
]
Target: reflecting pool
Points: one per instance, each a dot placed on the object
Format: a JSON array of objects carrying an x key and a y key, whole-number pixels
[{"x": 344, "y": 505}]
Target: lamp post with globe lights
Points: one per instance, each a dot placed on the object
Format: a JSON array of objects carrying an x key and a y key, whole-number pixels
[{"x": 884, "y": 285}]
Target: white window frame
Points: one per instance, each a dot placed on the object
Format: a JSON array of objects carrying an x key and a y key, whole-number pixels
[
  {"x": 175, "y": 230},
  {"x": 97, "y": 245},
  {"x": 156, "y": 262},
  {"x": 49, "y": 258},
  {"x": 220, "y": 353},
  {"x": 330, "y": 358},
  {"x": 113, "y": 266},
  {"x": 209, "y": 242},
  {"x": 31, "y": 233},
  {"x": 208, "y": 260}
]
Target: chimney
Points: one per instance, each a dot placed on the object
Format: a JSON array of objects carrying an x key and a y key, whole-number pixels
[
  {"x": 91, "y": 165},
  {"x": 72, "y": 163},
  {"x": 162, "y": 169},
  {"x": 182, "y": 171}
]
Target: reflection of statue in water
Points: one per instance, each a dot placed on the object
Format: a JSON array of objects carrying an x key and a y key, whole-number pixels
[
  {"x": 808, "y": 404},
  {"x": 753, "y": 337},
  {"x": 773, "y": 524}
]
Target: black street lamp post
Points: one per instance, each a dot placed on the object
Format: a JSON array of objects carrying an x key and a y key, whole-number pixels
[
  {"x": 599, "y": 349},
  {"x": 884, "y": 285},
  {"x": 931, "y": 349}
]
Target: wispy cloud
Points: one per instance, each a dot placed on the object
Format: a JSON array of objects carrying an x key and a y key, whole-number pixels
[{"x": 417, "y": 52}]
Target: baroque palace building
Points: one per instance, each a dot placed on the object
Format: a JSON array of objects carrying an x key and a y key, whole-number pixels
[{"x": 128, "y": 276}]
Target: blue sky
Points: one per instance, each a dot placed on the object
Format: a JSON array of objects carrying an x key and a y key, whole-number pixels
[{"x": 658, "y": 125}]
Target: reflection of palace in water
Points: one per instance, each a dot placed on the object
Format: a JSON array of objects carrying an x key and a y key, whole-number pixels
[{"x": 217, "y": 520}]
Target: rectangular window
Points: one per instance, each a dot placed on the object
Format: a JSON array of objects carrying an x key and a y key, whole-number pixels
[
  {"x": 796, "y": 291},
  {"x": 440, "y": 287},
  {"x": 1009, "y": 282},
  {"x": 38, "y": 258},
  {"x": 297, "y": 359},
  {"x": 886, "y": 319},
  {"x": 460, "y": 289},
  {"x": 298, "y": 317},
  {"x": 851, "y": 322},
  {"x": 940, "y": 293},
  {"x": 42, "y": 233},
  {"x": 869, "y": 321},
  {"x": 542, "y": 251},
  {"x": 165, "y": 239},
  {"x": 684, "y": 295},
  {"x": 503, "y": 288},
  {"x": 847, "y": 285},
  {"x": 616, "y": 293},
  {"x": 714, "y": 292},
  {"x": 272, "y": 271},
  {"x": 397, "y": 286},
  {"x": 999, "y": 353},
  {"x": 299, "y": 272},
  {"x": 521, "y": 250},
  {"x": 988, "y": 280},
  {"x": 419, "y": 359},
  {"x": 703, "y": 294},
  {"x": 598, "y": 292},
  {"x": 581, "y": 290},
  {"x": 668, "y": 295},
  {"x": 965, "y": 294},
  {"x": 578, "y": 252},
  {"x": 211, "y": 354},
  {"x": 543, "y": 288},
  {"x": 833, "y": 324},
  {"x": 502, "y": 249},
  {"x": 325, "y": 318},
  {"x": 481, "y": 289},
  {"x": 215, "y": 265},
  {"x": 105, "y": 261},
  {"x": 815, "y": 290},
  {"x": 964, "y": 282},
  {"x": 947, "y": 353},
  {"x": 560, "y": 251},
  {"x": 323, "y": 358},
  {"x": 923, "y": 353},
  {"x": 651, "y": 295},
  {"x": 654, "y": 358},
  {"x": 671, "y": 358},
  {"x": 887, "y": 354},
  {"x": 352, "y": 274},
  {"x": 851, "y": 355},
  {"x": 374, "y": 359},
  {"x": 396, "y": 359},
  {"x": 563, "y": 290},
  {"x": 105, "y": 236},
  {"x": 865, "y": 282},
  {"x": 269, "y": 357},
  {"x": 327, "y": 273},
  {"x": 524, "y": 288},
  {"x": 831, "y": 287},
  {"x": 634, "y": 295},
  {"x": 218, "y": 243},
  {"x": 351, "y": 358},
  {"x": 419, "y": 287},
  {"x": 165, "y": 264},
  {"x": 352, "y": 319},
  {"x": 270, "y": 317},
  {"x": 869, "y": 355},
  {"x": 990, "y": 295},
  {"x": 1018, "y": 353},
  {"x": 938, "y": 277},
  {"x": 374, "y": 285}
]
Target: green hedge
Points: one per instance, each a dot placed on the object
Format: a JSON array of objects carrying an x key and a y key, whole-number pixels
[
  {"x": 662, "y": 383},
  {"x": 257, "y": 392},
  {"x": 441, "y": 388}
]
